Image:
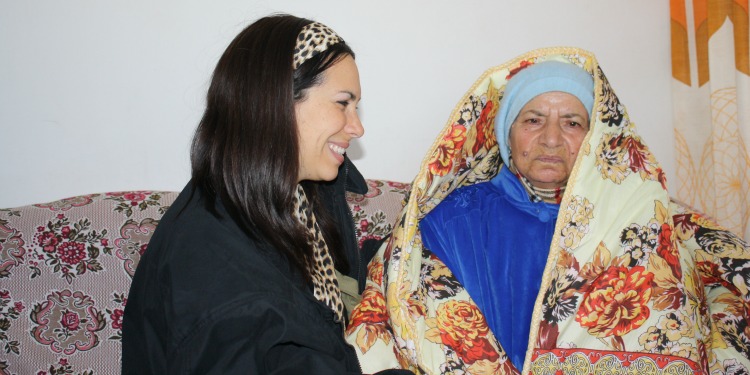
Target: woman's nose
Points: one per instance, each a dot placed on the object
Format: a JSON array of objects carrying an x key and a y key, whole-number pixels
[
  {"x": 354, "y": 126},
  {"x": 552, "y": 135}
]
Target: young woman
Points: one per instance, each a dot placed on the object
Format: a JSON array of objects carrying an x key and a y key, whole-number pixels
[{"x": 240, "y": 275}]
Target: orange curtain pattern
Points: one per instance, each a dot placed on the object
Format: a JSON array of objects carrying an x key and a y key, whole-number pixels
[{"x": 711, "y": 104}]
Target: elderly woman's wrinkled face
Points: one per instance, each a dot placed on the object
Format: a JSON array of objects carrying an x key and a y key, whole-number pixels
[{"x": 546, "y": 136}]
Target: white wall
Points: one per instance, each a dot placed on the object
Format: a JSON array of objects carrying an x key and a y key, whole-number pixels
[{"x": 104, "y": 96}]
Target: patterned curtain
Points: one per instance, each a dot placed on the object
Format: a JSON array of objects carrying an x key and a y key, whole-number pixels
[{"x": 711, "y": 104}]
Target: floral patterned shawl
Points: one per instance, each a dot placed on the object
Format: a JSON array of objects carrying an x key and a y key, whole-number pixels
[{"x": 634, "y": 282}]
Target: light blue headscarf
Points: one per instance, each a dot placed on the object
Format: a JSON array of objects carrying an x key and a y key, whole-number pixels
[{"x": 535, "y": 80}]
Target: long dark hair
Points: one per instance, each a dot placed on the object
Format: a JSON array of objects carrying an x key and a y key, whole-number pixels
[{"x": 245, "y": 150}]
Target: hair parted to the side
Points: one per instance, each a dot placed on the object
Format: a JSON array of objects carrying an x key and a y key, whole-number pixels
[{"x": 245, "y": 150}]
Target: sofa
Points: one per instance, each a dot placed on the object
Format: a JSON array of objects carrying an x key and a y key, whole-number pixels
[{"x": 66, "y": 268}]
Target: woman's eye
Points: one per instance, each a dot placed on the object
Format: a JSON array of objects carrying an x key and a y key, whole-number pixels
[
  {"x": 532, "y": 120},
  {"x": 578, "y": 125},
  {"x": 343, "y": 102}
]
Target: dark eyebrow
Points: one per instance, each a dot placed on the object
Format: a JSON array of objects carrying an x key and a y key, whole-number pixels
[
  {"x": 567, "y": 115},
  {"x": 571, "y": 115},
  {"x": 351, "y": 95},
  {"x": 535, "y": 112}
]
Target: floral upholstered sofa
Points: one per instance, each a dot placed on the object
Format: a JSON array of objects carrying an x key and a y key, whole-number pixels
[{"x": 66, "y": 268}]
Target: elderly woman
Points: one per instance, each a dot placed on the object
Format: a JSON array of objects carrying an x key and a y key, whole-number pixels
[
  {"x": 504, "y": 226},
  {"x": 539, "y": 237}
]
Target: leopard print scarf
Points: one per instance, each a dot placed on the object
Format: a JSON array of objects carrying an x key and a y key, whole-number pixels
[{"x": 325, "y": 285}]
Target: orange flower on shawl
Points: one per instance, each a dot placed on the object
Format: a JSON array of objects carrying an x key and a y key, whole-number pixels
[
  {"x": 710, "y": 273},
  {"x": 485, "y": 128},
  {"x": 375, "y": 272},
  {"x": 616, "y": 302},
  {"x": 462, "y": 327},
  {"x": 668, "y": 250},
  {"x": 442, "y": 160},
  {"x": 371, "y": 315}
]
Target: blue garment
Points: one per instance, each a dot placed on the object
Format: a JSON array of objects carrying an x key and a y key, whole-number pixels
[{"x": 496, "y": 242}]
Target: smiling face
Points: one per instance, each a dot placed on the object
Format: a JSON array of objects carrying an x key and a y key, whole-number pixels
[
  {"x": 546, "y": 136},
  {"x": 327, "y": 120}
]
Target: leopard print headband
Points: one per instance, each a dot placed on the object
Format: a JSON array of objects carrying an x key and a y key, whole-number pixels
[{"x": 312, "y": 40}]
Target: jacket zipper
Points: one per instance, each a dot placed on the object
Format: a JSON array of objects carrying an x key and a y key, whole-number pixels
[{"x": 357, "y": 250}]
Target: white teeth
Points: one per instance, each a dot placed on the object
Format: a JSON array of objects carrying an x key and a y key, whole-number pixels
[{"x": 337, "y": 149}]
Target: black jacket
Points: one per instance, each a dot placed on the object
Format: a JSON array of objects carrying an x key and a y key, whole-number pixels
[
  {"x": 206, "y": 299},
  {"x": 333, "y": 197}
]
